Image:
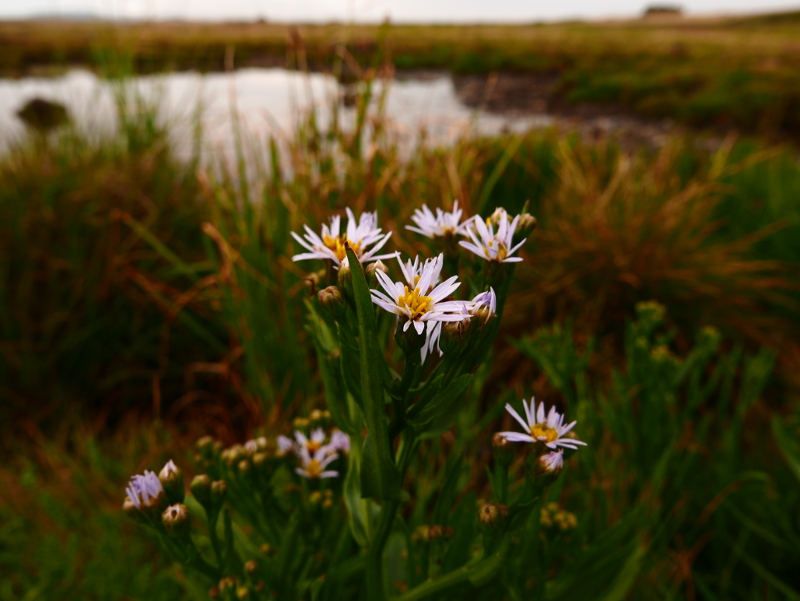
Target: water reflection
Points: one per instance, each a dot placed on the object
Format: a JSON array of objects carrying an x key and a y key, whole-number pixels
[{"x": 265, "y": 102}]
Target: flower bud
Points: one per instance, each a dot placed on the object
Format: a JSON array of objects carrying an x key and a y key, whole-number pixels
[
  {"x": 332, "y": 300},
  {"x": 251, "y": 566},
  {"x": 493, "y": 516},
  {"x": 407, "y": 338},
  {"x": 201, "y": 490},
  {"x": 172, "y": 480},
  {"x": 131, "y": 511},
  {"x": 242, "y": 592},
  {"x": 526, "y": 224},
  {"x": 549, "y": 466},
  {"x": 372, "y": 279},
  {"x": 213, "y": 592},
  {"x": 176, "y": 520},
  {"x": 455, "y": 335},
  {"x": 503, "y": 450},
  {"x": 345, "y": 279},
  {"x": 219, "y": 491}
]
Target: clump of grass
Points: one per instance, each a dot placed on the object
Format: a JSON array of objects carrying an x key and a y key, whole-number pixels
[{"x": 619, "y": 228}]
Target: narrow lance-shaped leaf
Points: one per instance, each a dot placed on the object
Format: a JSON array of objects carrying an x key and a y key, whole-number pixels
[{"x": 379, "y": 475}]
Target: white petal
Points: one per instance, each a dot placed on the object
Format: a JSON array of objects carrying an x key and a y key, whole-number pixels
[{"x": 516, "y": 416}]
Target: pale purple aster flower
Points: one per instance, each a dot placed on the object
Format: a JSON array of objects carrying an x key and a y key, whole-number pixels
[
  {"x": 547, "y": 429},
  {"x": 339, "y": 442},
  {"x": 491, "y": 244},
  {"x": 313, "y": 467},
  {"x": 144, "y": 490},
  {"x": 285, "y": 445},
  {"x": 440, "y": 225},
  {"x": 484, "y": 304},
  {"x": 359, "y": 234}
]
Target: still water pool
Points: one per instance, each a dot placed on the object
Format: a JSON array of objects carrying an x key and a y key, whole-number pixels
[{"x": 266, "y": 102}]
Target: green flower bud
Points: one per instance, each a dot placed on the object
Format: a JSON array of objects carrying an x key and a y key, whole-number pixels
[
  {"x": 172, "y": 480},
  {"x": 525, "y": 225},
  {"x": 345, "y": 279},
  {"x": 176, "y": 520},
  {"x": 407, "y": 339},
  {"x": 219, "y": 491},
  {"x": 201, "y": 489},
  {"x": 332, "y": 300},
  {"x": 372, "y": 279}
]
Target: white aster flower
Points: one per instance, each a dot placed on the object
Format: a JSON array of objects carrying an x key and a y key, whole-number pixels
[
  {"x": 491, "y": 244},
  {"x": 313, "y": 444},
  {"x": 313, "y": 467},
  {"x": 540, "y": 428},
  {"x": 360, "y": 234},
  {"x": 423, "y": 303},
  {"x": 440, "y": 225},
  {"x": 144, "y": 490},
  {"x": 552, "y": 462}
]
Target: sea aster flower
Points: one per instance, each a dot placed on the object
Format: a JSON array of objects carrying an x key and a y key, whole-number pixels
[
  {"x": 493, "y": 245},
  {"x": 423, "y": 303},
  {"x": 285, "y": 446},
  {"x": 438, "y": 226},
  {"x": 339, "y": 442},
  {"x": 144, "y": 490},
  {"x": 360, "y": 234},
  {"x": 313, "y": 467},
  {"x": 484, "y": 305},
  {"x": 545, "y": 429}
]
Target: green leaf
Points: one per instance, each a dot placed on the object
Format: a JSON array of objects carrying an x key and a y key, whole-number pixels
[
  {"x": 788, "y": 445},
  {"x": 356, "y": 506},
  {"x": 437, "y": 417},
  {"x": 379, "y": 475}
]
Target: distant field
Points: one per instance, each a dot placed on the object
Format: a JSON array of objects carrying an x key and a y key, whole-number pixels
[{"x": 722, "y": 72}]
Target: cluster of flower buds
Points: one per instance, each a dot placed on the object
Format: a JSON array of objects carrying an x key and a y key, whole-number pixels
[
  {"x": 554, "y": 516},
  {"x": 434, "y": 532},
  {"x": 150, "y": 496},
  {"x": 493, "y": 516}
]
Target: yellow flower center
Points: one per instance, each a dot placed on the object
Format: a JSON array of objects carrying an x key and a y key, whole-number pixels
[
  {"x": 502, "y": 249},
  {"x": 417, "y": 304},
  {"x": 313, "y": 446},
  {"x": 543, "y": 433},
  {"x": 314, "y": 469},
  {"x": 337, "y": 245}
]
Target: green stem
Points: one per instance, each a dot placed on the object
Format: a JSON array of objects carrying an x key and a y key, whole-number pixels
[{"x": 431, "y": 586}]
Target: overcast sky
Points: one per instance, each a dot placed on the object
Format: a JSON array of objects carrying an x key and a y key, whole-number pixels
[{"x": 373, "y": 10}]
